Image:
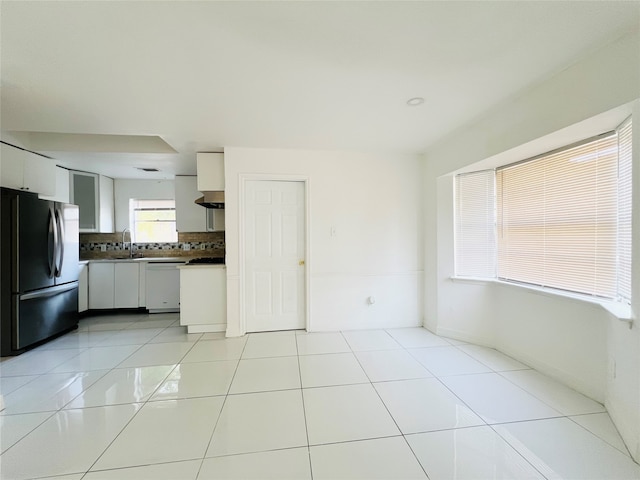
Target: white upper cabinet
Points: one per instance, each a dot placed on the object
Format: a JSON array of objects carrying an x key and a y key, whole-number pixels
[
  {"x": 24, "y": 170},
  {"x": 62, "y": 187},
  {"x": 190, "y": 217},
  {"x": 39, "y": 174},
  {"x": 210, "y": 172},
  {"x": 84, "y": 192},
  {"x": 11, "y": 167},
  {"x": 107, "y": 207},
  {"x": 93, "y": 193}
]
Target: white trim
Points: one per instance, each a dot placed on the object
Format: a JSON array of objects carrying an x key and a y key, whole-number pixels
[
  {"x": 621, "y": 311},
  {"x": 463, "y": 336},
  {"x": 222, "y": 327},
  {"x": 243, "y": 178}
]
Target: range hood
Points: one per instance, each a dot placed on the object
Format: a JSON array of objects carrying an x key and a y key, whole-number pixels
[{"x": 211, "y": 200}]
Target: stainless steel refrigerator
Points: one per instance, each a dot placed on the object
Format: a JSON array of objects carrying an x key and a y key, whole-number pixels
[{"x": 39, "y": 249}]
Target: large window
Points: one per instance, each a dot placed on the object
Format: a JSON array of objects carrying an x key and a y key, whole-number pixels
[
  {"x": 561, "y": 220},
  {"x": 475, "y": 224},
  {"x": 153, "y": 221}
]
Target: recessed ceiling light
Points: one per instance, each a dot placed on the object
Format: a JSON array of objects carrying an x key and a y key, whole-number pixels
[
  {"x": 415, "y": 101},
  {"x": 148, "y": 169}
]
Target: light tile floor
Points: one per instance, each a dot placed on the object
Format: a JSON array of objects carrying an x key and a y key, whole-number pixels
[{"x": 135, "y": 397}]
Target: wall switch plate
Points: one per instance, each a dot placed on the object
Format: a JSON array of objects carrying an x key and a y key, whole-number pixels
[
  {"x": 103, "y": 248},
  {"x": 186, "y": 247}
]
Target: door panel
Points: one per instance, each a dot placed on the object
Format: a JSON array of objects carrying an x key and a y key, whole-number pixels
[
  {"x": 262, "y": 289},
  {"x": 36, "y": 244},
  {"x": 274, "y": 263},
  {"x": 69, "y": 215},
  {"x": 288, "y": 290}
]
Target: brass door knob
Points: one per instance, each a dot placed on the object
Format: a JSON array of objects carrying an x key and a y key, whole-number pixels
[{"x": 301, "y": 262}]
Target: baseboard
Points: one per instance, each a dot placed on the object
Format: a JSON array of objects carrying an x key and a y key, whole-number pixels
[
  {"x": 214, "y": 328},
  {"x": 463, "y": 336}
]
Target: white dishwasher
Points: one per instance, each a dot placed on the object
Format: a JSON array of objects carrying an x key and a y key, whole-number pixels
[{"x": 163, "y": 287}]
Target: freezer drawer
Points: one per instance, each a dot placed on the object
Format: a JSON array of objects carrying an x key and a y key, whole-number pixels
[{"x": 44, "y": 313}]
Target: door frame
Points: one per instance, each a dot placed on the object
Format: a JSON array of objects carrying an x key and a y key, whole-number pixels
[{"x": 244, "y": 178}]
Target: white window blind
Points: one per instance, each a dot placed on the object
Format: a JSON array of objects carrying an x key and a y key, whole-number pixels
[
  {"x": 475, "y": 243},
  {"x": 557, "y": 219},
  {"x": 154, "y": 221},
  {"x": 624, "y": 210}
]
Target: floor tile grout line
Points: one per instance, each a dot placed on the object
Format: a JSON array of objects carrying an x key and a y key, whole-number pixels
[
  {"x": 516, "y": 450},
  {"x": 62, "y": 408},
  {"x": 36, "y": 351},
  {"x": 389, "y": 412},
  {"x": 415, "y": 455},
  {"x": 133, "y": 403},
  {"x": 457, "y": 347},
  {"x": 304, "y": 409},
  {"x": 355, "y": 440},
  {"x": 537, "y": 397},
  {"x": 502, "y": 372},
  {"x": 224, "y": 401},
  {"x": 16, "y": 389},
  {"x": 452, "y": 392},
  {"x": 526, "y": 367},
  {"x": 170, "y": 462},
  {"x": 625, "y": 452},
  {"x": 107, "y": 370},
  {"x": 141, "y": 404},
  {"x": 481, "y": 419},
  {"x": 308, "y": 446},
  {"x": 52, "y": 413}
]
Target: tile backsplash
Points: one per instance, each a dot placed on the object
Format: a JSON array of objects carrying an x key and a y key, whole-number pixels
[{"x": 206, "y": 244}]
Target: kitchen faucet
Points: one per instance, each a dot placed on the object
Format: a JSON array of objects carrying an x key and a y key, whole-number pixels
[{"x": 130, "y": 243}]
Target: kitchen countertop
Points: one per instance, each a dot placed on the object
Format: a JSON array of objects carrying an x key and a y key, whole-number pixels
[
  {"x": 139, "y": 259},
  {"x": 202, "y": 265}
]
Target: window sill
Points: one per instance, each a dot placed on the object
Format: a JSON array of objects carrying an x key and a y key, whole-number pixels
[{"x": 621, "y": 311}]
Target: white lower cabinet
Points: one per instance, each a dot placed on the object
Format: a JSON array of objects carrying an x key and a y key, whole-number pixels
[
  {"x": 163, "y": 287},
  {"x": 113, "y": 285},
  {"x": 203, "y": 298},
  {"x": 83, "y": 288},
  {"x": 101, "y": 287},
  {"x": 126, "y": 285}
]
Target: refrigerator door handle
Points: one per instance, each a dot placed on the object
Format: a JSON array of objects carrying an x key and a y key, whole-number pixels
[
  {"x": 60, "y": 249},
  {"x": 53, "y": 231}
]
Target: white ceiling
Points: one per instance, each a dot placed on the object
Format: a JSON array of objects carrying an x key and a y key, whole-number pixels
[{"x": 314, "y": 75}]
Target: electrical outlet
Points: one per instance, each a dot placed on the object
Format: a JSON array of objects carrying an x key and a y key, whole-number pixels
[
  {"x": 203, "y": 246},
  {"x": 103, "y": 248},
  {"x": 186, "y": 247}
]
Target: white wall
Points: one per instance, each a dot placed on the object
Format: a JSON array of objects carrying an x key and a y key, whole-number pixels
[
  {"x": 373, "y": 202},
  {"x": 124, "y": 189},
  {"x": 576, "y": 342},
  {"x": 623, "y": 381}
]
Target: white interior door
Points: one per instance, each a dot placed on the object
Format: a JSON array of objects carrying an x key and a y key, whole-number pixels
[{"x": 274, "y": 255}]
